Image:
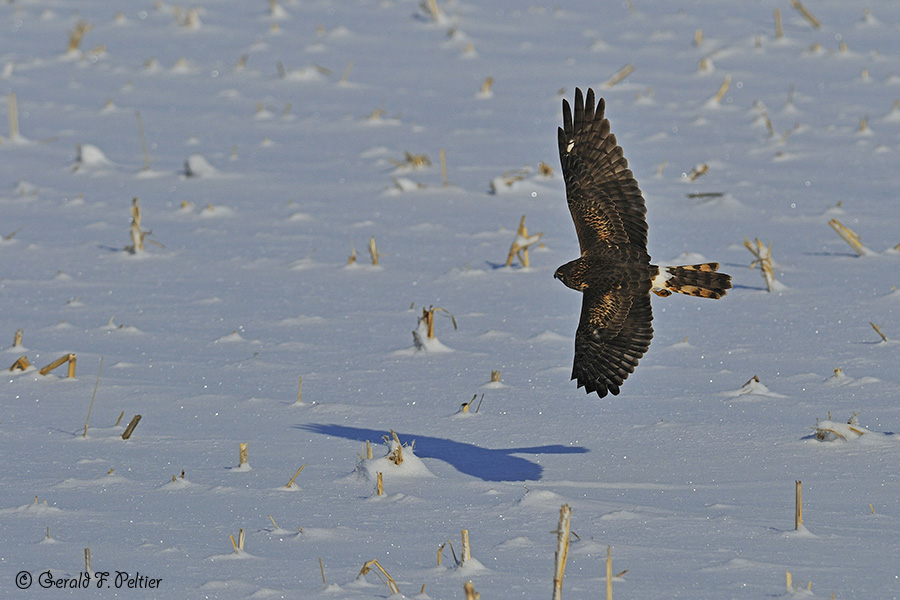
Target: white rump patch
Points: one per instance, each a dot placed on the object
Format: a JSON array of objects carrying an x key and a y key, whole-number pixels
[{"x": 659, "y": 282}]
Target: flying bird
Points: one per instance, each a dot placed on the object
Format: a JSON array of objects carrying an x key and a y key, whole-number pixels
[{"x": 613, "y": 273}]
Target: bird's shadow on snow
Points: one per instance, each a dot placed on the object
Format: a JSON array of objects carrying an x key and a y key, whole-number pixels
[
  {"x": 488, "y": 464},
  {"x": 752, "y": 288},
  {"x": 832, "y": 254}
]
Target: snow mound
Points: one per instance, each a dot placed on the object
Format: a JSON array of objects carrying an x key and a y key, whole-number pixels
[
  {"x": 39, "y": 508},
  {"x": 754, "y": 387},
  {"x": 841, "y": 379},
  {"x": 400, "y": 462},
  {"x": 832, "y": 431},
  {"x": 550, "y": 337},
  {"x": 424, "y": 339},
  {"x": 196, "y": 165},
  {"x": 89, "y": 156},
  {"x": 541, "y": 499},
  {"x": 519, "y": 182}
]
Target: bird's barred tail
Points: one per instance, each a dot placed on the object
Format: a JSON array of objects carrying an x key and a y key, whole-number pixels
[{"x": 694, "y": 280}]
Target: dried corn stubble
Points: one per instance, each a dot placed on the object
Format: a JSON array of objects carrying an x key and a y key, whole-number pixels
[
  {"x": 485, "y": 92},
  {"x": 466, "y": 406},
  {"x": 521, "y": 243},
  {"x": 697, "y": 171},
  {"x": 428, "y": 318},
  {"x": 81, "y": 29},
  {"x": 763, "y": 259},
  {"x": 239, "y": 544},
  {"x": 22, "y": 363},
  {"x": 469, "y": 589},
  {"x": 391, "y": 583},
  {"x": 508, "y": 178},
  {"x": 723, "y": 89},
  {"x": 68, "y": 358},
  {"x": 431, "y": 7},
  {"x": 93, "y": 397},
  {"x": 609, "y": 576},
  {"x": 444, "y": 181},
  {"x": 291, "y": 482},
  {"x": 563, "y": 530},
  {"x": 138, "y": 235},
  {"x": 849, "y": 236},
  {"x": 414, "y": 161},
  {"x": 466, "y": 552},
  {"x": 130, "y": 428},
  {"x": 373, "y": 251},
  {"x": 798, "y": 6},
  {"x": 396, "y": 456},
  {"x": 831, "y": 431},
  {"x": 619, "y": 76},
  {"x": 346, "y": 74},
  {"x": 13, "y": 110}
]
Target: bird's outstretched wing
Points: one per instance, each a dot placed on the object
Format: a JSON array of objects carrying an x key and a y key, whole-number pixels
[
  {"x": 603, "y": 196},
  {"x": 613, "y": 334}
]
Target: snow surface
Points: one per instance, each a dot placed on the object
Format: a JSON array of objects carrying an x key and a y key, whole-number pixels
[{"x": 298, "y": 118}]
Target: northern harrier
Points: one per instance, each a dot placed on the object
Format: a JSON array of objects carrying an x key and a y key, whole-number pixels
[{"x": 613, "y": 272}]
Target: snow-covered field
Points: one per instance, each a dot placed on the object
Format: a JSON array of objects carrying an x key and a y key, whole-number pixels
[{"x": 276, "y": 140}]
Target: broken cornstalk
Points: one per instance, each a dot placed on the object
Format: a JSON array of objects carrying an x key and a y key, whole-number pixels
[
  {"x": 619, "y": 75},
  {"x": 396, "y": 456},
  {"x": 291, "y": 482},
  {"x": 806, "y": 14},
  {"x": 22, "y": 363},
  {"x": 723, "y": 89},
  {"x": 70, "y": 358},
  {"x": 697, "y": 171},
  {"x": 849, "y": 236},
  {"x": 521, "y": 244},
  {"x": 763, "y": 256},
  {"x": 878, "y": 331},
  {"x": 130, "y": 429},
  {"x": 93, "y": 397},
  {"x": 392, "y": 585}
]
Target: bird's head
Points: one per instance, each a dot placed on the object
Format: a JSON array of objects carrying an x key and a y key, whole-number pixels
[{"x": 571, "y": 275}]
